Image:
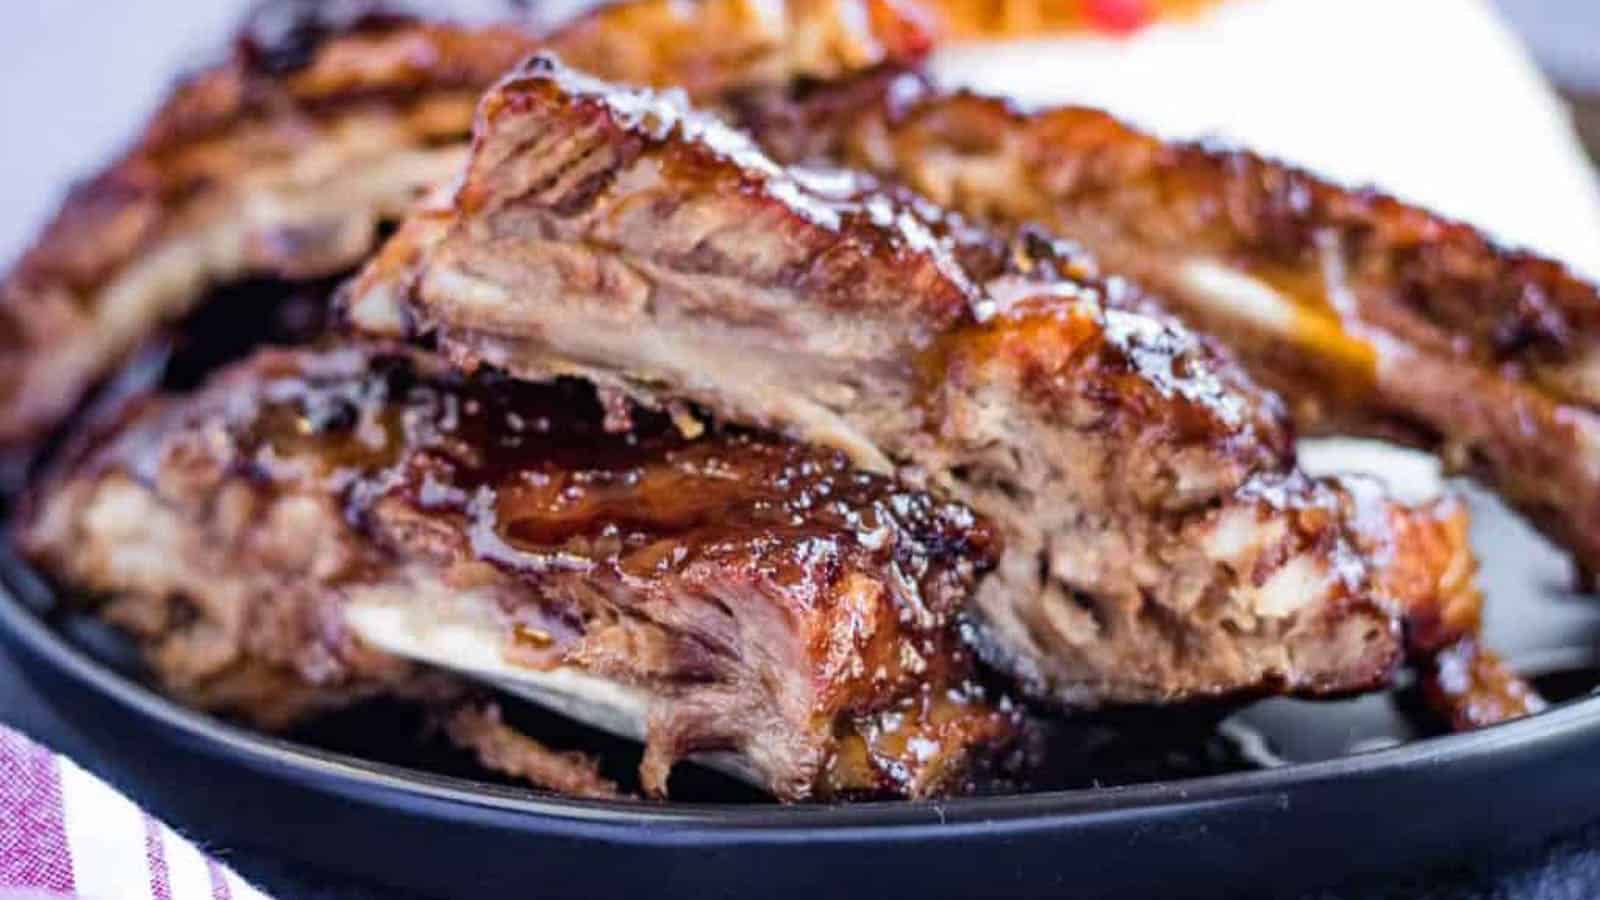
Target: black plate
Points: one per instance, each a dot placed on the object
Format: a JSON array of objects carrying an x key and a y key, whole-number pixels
[{"x": 1332, "y": 815}]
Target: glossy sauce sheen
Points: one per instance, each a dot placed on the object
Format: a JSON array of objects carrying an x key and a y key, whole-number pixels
[
  {"x": 618, "y": 233},
  {"x": 551, "y": 487},
  {"x": 534, "y": 485},
  {"x": 1369, "y": 316}
]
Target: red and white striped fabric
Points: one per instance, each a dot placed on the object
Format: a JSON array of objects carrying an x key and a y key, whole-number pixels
[{"x": 66, "y": 834}]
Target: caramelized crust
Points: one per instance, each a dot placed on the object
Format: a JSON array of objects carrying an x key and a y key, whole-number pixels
[
  {"x": 759, "y": 597},
  {"x": 1159, "y": 543},
  {"x": 1425, "y": 562},
  {"x": 1370, "y": 315},
  {"x": 285, "y": 161}
]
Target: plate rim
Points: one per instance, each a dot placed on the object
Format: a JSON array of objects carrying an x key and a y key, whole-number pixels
[{"x": 354, "y": 776}]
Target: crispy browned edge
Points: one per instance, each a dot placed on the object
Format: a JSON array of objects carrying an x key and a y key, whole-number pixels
[
  {"x": 106, "y": 222},
  {"x": 1515, "y": 306}
]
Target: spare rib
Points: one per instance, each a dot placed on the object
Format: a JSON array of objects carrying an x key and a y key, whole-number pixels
[
  {"x": 1159, "y": 543},
  {"x": 1369, "y": 315},
  {"x": 730, "y": 593},
  {"x": 287, "y": 159}
]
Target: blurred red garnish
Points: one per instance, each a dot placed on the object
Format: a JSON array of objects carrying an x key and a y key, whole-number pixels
[
  {"x": 1119, "y": 16},
  {"x": 908, "y": 31}
]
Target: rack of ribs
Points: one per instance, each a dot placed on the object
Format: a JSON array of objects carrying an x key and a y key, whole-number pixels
[
  {"x": 286, "y": 160},
  {"x": 1159, "y": 543},
  {"x": 1371, "y": 316},
  {"x": 731, "y": 593}
]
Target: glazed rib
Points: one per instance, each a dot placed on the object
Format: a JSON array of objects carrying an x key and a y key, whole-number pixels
[
  {"x": 1370, "y": 316},
  {"x": 286, "y": 160},
  {"x": 734, "y": 593},
  {"x": 1159, "y": 543}
]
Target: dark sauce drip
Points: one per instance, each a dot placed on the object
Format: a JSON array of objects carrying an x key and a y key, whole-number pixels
[{"x": 546, "y": 487}]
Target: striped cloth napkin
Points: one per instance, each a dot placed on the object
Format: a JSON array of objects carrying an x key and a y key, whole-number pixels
[{"x": 66, "y": 834}]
